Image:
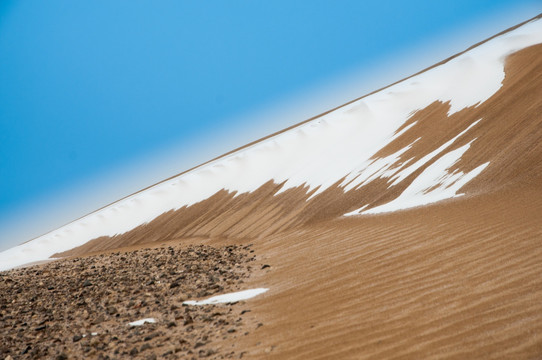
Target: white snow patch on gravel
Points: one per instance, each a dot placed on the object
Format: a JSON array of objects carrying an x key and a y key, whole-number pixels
[
  {"x": 228, "y": 298},
  {"x": 142, "y": 321},
  {"x": 91, "y": 334}
]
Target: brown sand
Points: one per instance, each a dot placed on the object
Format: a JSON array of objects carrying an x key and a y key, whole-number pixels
[{"x": 455, "y": 280}]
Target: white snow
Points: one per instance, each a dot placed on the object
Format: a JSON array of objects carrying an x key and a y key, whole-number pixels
[
  {"x": 400, "y": 176},
  {"x": 91, "y": 334},
  {"x": 142, "y": 321},
  {"x": 228, "y": 298},
  {"x": 434, "y": 184},
  {"x": 316, "y": 154}
]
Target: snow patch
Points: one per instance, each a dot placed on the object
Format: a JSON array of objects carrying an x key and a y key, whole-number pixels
[
  {"x": 91, "y": 334},
  {"x": 142, "y": 321},
  {"x": 434, "y": 184},
  {"x": 402, "y": 175},
  {"x": 228, "y": 298}
]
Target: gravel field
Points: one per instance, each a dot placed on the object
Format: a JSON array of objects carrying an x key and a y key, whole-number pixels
[{"x": 82, "y": 307}]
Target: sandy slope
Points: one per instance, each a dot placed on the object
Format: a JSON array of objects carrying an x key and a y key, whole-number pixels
[
  {"x": 458, "y": 279},
  {"x": 504, "y": 134},
  {"x": 455, "y": 280}
]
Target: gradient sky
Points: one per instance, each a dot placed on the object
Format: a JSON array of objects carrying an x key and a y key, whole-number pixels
[{"x": 87, "y": 87}]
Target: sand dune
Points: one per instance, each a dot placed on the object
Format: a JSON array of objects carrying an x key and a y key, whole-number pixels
[
  {"x": 405, "y": 224},
  {"x": 500, "y": 140},
  {"x": 418, "y": 141}
]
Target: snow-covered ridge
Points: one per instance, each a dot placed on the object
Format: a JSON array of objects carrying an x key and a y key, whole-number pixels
[{"x": 318, "y": 153}]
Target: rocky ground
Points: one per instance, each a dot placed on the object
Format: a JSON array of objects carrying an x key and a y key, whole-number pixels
[{"x": 80, "y": 308}]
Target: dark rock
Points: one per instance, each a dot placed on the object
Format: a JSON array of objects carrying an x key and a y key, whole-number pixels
[
  {"x": 206, "y": 353},
  {"x": 111, "y": 310},
  {"x": 26, "y": 349},
  {"x": 150, "y": 337},
  {"x": 188, "y": 320}
]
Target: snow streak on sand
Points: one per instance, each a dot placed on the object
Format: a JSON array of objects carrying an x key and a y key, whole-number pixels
[
  {"x": 434, "y": 184},
  {"x": 316, "y": 154},
  {"x": 228, "y": 298}
]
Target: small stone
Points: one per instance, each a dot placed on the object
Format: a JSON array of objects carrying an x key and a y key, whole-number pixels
[
  {"x": 145, "y": 347},
  {"x": 266, "y": 266},
  {"x": 150, "y": 337},
  {"x": 134, "y": 352},
  {"x": 188, "y": 321},
  {"x": 87, "y": 283},
  {"x": 94, "y": 341},
  {"x": 62, "y": 356},
  {"x": 206, "y": 353},
  {"x": 111, "y": 310},
  {"x": 76, "y": 338}
]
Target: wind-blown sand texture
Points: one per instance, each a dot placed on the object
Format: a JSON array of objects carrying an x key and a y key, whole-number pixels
[{"x": 406, "y": 224}]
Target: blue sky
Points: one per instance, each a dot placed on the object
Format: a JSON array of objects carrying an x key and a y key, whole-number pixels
[{"x": 94, "y": 94}]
